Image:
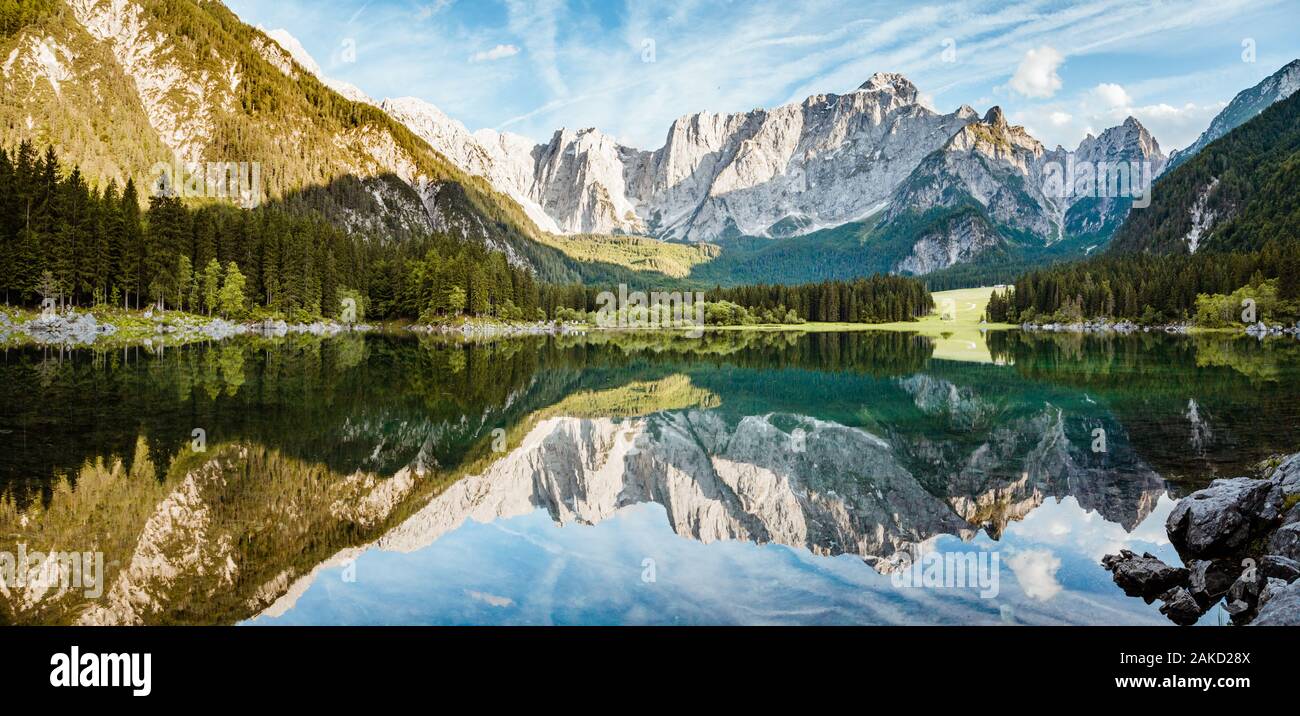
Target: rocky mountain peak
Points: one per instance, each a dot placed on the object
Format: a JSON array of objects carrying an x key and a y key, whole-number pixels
[
  {"x": 1129, "y": 141},
  {"x": 995, "y": 118},
  {"x": 891, "y": 82}
]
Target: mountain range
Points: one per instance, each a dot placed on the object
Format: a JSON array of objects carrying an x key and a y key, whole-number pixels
[
  {"x": 828, "y": 161},
  {"x": 832, "y": 186}
]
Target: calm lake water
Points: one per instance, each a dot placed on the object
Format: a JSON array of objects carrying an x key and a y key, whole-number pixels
[{"x": 745, "y": 478}]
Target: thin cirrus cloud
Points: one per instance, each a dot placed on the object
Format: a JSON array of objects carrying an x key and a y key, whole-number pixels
[
  {"x": 532, "y": 66},
  {"x": 499, "y": 52}
]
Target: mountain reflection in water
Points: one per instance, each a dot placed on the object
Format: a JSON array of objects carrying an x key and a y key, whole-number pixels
[{"x": 745, "y": 478}]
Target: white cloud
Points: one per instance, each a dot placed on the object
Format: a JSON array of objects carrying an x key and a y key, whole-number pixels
[
  {"x": 1036, "y": 571},
  {"x": 1111, "y": 96},
  {"x": 1036, "y": 76},
  {"x": 491, "y": 599},
  {"x": 1108, "y": 104},
  {"x": 496, "y": 53}
]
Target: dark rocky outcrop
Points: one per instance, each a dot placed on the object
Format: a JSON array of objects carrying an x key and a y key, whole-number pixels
[
  {"x": 1220, "y": 520},
  {"x": 1180, "y": 606},
  {"x": 1211, "y": 579},
  {"x": 1279, "y": 605},
  {"x": 1278, "y": 567},
  {"x": 1144, "y": 576},
  {"x": 1240, "y": 540}
]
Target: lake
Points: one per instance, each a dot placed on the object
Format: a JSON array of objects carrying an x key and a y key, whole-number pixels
[{"x": 742, "y": 478}]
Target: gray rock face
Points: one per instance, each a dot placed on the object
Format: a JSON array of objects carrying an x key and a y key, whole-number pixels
[
  {"x": 1279, "y": 605},
  {"x": 1128, "y": 146},
  {"x": 958, "y": 241},
  {"x": 1180, "y": 606},
  {"x": 1276, "y": 566},
  {"x": 1287, "y": 476},
  {"x": 1243, "y": 596},
  {"x": 989, "y": 162},
  {"x": 1285, "y": 542},
  {"x": 1145, "y": 576},
  {"x": 1211, "y": 579},
  {"x": 1002, "y": 179},
  {"x": 1219, "y": 520},
  {"x": 822, "y": 162}
]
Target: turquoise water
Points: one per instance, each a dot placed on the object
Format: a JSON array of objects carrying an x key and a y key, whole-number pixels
[{"x": 741, "y": 479}]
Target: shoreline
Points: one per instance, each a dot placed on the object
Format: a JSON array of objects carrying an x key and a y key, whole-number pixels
[
  {"x": 1256, "y": 330},
  {"x": 117, "y": 327},
  {"x": 114, "y": 328}
]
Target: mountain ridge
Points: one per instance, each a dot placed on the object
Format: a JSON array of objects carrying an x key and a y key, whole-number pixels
[
  {"x": 1245, "y": 105},
  {"x": 191, "y": 83}
]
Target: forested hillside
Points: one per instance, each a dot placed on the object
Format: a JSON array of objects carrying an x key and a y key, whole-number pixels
[
  {"x": 117, "y": 89},
  {"x": 1238, "y": 193},
  {"x": 1223, "y": 226},
  {"x": 64, "y": 239},
  {"x": 1156, "y": 289}
]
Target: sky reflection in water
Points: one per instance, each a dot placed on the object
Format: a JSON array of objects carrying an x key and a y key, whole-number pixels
[{"x": 529, "y": 571}]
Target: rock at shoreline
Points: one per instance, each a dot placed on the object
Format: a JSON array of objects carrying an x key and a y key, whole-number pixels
[
  {"x": 1144, "y": 576},
  {"x": 1279, "y": 567},
  {"x": 1240, "y": 540},
  {"x": 1257, "y": 330},
  {"x": 269, "y": 327},
  {"x": 1102, "y": 326},
  {"x": 1181, "y": 607},
  {"x": 1211, "y": 579},
  {"x": 1287, "y": 476},
  {"x": 78, "y": 329},
  {"x": 1279, "y": 605},
  {"x": 1219, "y": 520},
  {"x": 1285, "y": 542},
  {"x": 1243, "y": 596},
  {"x": 71, "y": 328},
  {"x": 494, "y": 329}
]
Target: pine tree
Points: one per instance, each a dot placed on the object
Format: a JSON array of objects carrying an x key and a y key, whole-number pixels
[
  {"x": 184, "y": 281},
  {"x": 211, "y": 285},
  {"x": 132, "y": 270},
  {"x": 232, "y": 292}
]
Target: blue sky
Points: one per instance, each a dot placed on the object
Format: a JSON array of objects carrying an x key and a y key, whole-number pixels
[{"x": 630, "y": 68}]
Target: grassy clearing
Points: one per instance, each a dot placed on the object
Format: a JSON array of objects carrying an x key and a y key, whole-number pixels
[
  {"x": 954, "y": 325},
  {"x": 634, "y": 252}
]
